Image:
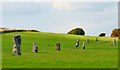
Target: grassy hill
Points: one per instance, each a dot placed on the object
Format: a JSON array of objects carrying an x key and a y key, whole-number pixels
[{"x": 96, "y": 55}]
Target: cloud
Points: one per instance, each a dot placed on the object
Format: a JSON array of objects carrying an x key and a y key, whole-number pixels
[
  {"x": 62, "y": 5},
  {"x": 59, "y": 0},
  {"x": 60, "y": 17}
]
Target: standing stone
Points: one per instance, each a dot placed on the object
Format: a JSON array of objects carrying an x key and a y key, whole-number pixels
[
  {"x": 14, "y": 51},
  {"x": 17, "y": 45},
  {"x": 58, "y": 46},
  {"x": 83, "y": 46},
  {"x": 96, "y": 39},
  {"x": 35, "y": 48},
  {"x": 77, "y": 43},
  {"x": 87, "y": 40},
  {"x": 114, "y": 42}
]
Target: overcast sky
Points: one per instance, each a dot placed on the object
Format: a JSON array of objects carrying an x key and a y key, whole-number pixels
[{"x": 60, "y": 17}]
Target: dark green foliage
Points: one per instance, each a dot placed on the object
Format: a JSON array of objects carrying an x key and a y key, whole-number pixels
[
  {"x": 7, "y": 30},
  {"x": 77, "y": 31},
  {"x": 102, "y": 34},
  {"x": 32, "y": 30}
]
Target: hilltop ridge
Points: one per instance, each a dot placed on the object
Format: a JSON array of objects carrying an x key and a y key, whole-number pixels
[{"x": 7, "y": 30}]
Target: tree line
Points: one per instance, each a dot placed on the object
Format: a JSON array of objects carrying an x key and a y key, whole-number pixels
[{"x": 80, "y": 31}]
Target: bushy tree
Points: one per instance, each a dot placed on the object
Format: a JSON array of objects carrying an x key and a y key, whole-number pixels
[
  {"x": 102, "y": 34},
  {"x": 77, "y": 31},
  {"x": 115, "y": 33}
]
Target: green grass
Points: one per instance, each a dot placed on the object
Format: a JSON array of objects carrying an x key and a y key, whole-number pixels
[
  {"x": 0, "y": 51},
  {"x": 96, "y": 55}
]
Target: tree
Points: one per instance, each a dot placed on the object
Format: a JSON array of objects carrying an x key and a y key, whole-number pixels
[
  {"x": 102, "y": 34},
  {"x": 115, "y": 33},
  {"x": 77, "y": 31}
]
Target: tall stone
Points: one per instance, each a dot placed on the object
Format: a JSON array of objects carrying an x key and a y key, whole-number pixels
[
  {"x": 17, "y": 45},
  {"x": 114, "y": 42},
  {"x": 35, "y": 48},
  {"x": 96, "y": 39},
  {"x": 87, "y": 40},
  {"x": 77, "y": 43},
  {"x": 83, "y": 46},
  {"x": 58, "y": 46}
]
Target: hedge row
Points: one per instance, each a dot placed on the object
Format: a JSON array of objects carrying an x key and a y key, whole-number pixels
[{"x": 8, "y": 31}]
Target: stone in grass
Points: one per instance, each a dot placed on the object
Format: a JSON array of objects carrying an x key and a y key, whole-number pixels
[
  {"x": 77, "y": 43},
  {"x": 114, "y": 42},
  {"x": 58, "y": 46},
  {"x": 87, "y": 40},
  {"x": 35, "y": 48},
  {"x": 17, "y": 45},
  {"x": 96, "y": 39},
  {"x": 83, "y": 46}
]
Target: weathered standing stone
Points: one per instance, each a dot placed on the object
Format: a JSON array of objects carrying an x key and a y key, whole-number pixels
[
  {"x": 17, "y": 45},
  {"x": 14, "y": 51},
  {"x": 96, "y": 39},
  {"x": 83, "y": 46},
  {"x": 87, "y": 40},
  {"x": 77, "y": 44},
  {"x": 114, "y": 42},
  {"x": 35, "y": 48},
  {"x": 58, "y": 46}
]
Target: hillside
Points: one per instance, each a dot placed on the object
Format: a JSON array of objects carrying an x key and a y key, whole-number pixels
[{"x": 96, "y": 55}]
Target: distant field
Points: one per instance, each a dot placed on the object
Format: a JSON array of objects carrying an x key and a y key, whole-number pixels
[{"x": 96, "y": 55}]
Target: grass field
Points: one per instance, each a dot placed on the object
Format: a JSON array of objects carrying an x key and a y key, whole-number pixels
[
  {"x": 0, "y": 51},
  {"x": 96, "y": 55}
]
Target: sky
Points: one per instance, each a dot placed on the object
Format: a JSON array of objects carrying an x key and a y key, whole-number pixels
[{"x": 61, "y": 17}]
